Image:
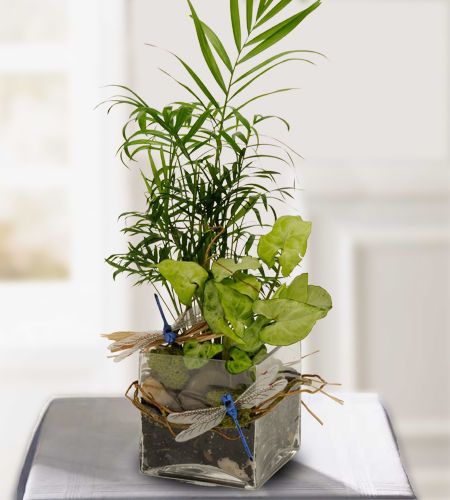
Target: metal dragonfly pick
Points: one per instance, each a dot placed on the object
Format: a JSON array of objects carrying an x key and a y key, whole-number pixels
[
  {"x": 231, "y": 409},
  {"x": 169, "y": 334}
]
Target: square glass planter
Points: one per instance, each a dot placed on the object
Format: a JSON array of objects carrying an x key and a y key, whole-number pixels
[{"x": 215, "y": 457}]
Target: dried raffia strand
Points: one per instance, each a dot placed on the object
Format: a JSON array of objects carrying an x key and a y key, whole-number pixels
[
  {"x": 161, "y": 419},
  {"x": 267, "y": 406},
  {"x": 308, "y": 409},
  {"x": 194, "y": 333}
]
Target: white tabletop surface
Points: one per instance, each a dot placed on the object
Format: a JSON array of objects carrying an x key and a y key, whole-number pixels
[{"x": 87, "y": 448}]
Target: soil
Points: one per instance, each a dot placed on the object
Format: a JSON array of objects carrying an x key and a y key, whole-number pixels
[{"x": 159, "y": 449}]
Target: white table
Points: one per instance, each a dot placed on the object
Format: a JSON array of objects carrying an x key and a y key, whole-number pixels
[{"x": 87, "y": 448}]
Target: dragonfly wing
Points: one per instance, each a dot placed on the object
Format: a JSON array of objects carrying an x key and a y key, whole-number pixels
[
  {"x": 262, "y": 381},
  {"x": 189, "y": 318},
  {"x": 204, "y": 424},
  {"x": 191, "y": 416},
  {"x": 132, "y": 343},
  {"x": 261, "y": 394},
  {"x": 124, "y": 340}
]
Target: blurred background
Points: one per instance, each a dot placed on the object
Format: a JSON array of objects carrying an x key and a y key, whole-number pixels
[{"x": 373, "y": 124}]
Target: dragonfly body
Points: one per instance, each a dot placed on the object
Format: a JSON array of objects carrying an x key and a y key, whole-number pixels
[
  {"x": 168, "y": 334},
  {"x": 230, "y": 407}
]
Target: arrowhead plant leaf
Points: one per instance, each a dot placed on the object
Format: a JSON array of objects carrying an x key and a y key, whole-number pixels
[
  {"x": 245, "y": 284},
  {"x": 297, "y": 290},
  {"x": 287, "y": 240},
  {"x": 196, "y": 354},
  {"x": 237, "y": 307},
  {"x": 251, "y": 340},
  {"x": 320, "y": 298},
  {"x": 239, "y": 361},
  {"x": 300, "y": 291},
  {"x": 185, "y": 277},
  {"x": 214, "y": 314},
  {"x": 291, "y": 321},
  {"x": 224, "y": 268}
]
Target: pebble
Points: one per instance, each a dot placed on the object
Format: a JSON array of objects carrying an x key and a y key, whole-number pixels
[
  {"x": 210, "y": 377},
  {"x": 232, "y": 468},
  {"x": 160, "y": 394}
]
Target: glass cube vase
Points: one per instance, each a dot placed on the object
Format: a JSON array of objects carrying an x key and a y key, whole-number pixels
[{"x": 215, "y": 458}]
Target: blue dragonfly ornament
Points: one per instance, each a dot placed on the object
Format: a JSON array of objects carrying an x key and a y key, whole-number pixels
[
  {"x": 200, "y": 421},
  {"x": 127, "y": 343}
]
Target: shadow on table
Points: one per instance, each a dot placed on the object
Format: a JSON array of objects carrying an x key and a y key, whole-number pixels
[{"x": 307, "y": 482}]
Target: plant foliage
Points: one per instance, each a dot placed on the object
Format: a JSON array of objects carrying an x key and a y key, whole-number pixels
[{"x": 208, "y": 190}]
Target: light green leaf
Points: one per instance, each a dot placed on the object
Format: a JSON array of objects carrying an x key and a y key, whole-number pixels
[
  {"x": 320, "y": 298},
  {"x": 196, "y": 354},
  {"x": 246, "y": 284},
  {"x": 223, "y": 268},
  {"x": 206, "y": 50},
  {"x": 218, "y": 46},
  {"x": 214, "y": 314},
  {"x": 239, "y": 361},
  {"x": 236, "y": 306},
  {"x": 185, "y": 277},
  {"x": 236, "y": 22},
  {"x": 289, "y": 237},
  {"x": 250, "y": 339},
  {"x": 279, "y": 292},
  {"x": 260, "y": 355},
  {"x": 300, "y": 291},
  {"x": 291, "y": 321},
  {"x": 278, "y": 32},
  {"x": 297, "y": 290}
]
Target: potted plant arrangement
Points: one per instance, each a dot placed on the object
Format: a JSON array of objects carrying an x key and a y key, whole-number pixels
[{"x": 218, "y": 389}]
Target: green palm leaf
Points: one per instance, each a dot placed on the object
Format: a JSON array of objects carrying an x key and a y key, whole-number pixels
[
  {"x": 278, "y": 32},
  {"x": 274, "y": 58},
  {"x": 206, "y": 50},
  {"x": 263, "y": 4},
  {"x": 199, "y": 82},
  {"x": 236, "y": 23},
  {"x": 264, "y": 72},
  {"x": 194, "y": 76},
  {"x": 218, "y": 46},
  {"x": 249, "y": 15},
  {"x": 261, "y": 96},
  {"x": 278, "y": 8}
]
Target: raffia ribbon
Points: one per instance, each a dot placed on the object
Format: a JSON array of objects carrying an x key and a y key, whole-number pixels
[
  {"x": 301, "y": 384},
  {"x": 126, "y": 343}
]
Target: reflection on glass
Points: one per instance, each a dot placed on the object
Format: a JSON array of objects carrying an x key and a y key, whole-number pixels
[
  {"x": 28, "y": 21},
  {"x": 33, "y": 118},
  {"x": 33, "y": 235}
]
